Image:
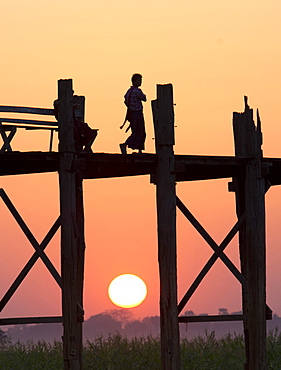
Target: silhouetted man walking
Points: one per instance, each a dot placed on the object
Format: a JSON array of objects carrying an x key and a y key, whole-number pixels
[{"x": 133, "y": 100}]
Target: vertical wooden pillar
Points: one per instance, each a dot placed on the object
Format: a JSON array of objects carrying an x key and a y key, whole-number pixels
[
  {"x": 163, "y": 116},
  {"x": 72, "y": 232},
  {"x": 250, "y": 191},
  {"x": 79, "y": 102}
]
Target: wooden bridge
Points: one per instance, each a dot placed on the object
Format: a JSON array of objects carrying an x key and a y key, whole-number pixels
[{"x": 251, "y": 174}]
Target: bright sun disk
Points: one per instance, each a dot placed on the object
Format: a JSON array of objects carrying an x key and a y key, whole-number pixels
[{"x": 127, "y": 291}]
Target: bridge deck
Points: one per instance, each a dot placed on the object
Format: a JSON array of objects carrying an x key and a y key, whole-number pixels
[{"x": 104, "y": 165}]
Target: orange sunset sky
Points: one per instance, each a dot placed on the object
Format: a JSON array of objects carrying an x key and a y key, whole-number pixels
[{"x": 214, "y": 53}]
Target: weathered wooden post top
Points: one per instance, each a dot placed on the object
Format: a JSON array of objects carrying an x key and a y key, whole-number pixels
[{"x": 250, "y": 192}]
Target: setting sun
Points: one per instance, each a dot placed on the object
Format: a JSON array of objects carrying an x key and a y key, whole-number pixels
[{"x": 127, "y": 291}]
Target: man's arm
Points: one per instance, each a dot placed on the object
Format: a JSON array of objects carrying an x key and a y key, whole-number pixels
[{"x": 141, "y": 95}]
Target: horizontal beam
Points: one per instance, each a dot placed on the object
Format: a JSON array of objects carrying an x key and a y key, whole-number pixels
[
  {"x": 107, "y": 165},
  {"x": 29, "y": 110},
  {"x": 20, "y": 122},
  {"x": 195, "y": 167},
  {"x": 31, "y": 320},
  {"x": 104, "y": 165},
  {"x": 213, "y": 318},
  {"x": 210, "y": 318},
  {"x": 20, "y": 163}
]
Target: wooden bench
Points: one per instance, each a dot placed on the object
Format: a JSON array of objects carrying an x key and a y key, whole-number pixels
[{"x": 9, "y": 126}]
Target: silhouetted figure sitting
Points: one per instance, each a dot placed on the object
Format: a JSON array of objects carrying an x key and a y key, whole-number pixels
[{"x": 84, "y": 136}]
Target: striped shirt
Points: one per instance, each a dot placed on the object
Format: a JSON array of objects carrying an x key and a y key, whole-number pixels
[{"x": 133, "y": 98}]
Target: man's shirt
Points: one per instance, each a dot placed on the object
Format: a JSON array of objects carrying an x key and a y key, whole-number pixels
[{"x": 133, "y": 98}]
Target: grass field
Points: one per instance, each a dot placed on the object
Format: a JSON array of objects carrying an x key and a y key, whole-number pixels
[{"x": 116, "y": 352}]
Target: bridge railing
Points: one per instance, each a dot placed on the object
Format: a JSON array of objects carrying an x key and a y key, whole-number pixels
[{"x": 9, "y": 126}]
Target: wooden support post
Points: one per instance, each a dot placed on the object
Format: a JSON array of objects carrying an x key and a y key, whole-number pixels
[
  {"x": 79, "y": 104},
  {"x": 250, "y": 191},
  {"x": 72, "y": 233},
  {"x": 163, "y": 116}
]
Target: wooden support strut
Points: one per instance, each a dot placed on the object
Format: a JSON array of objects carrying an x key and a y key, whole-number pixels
[
  {"x": 250, "y": 190},
  {"x": 72, "y": 232},
  {"x": 163, "y": 117}
]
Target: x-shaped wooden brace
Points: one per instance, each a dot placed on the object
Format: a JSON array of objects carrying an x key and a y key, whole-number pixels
[
  {"x": 39, "y": 250},
  {"x": 217, "y": 249},
  {"x": 7, "y": 139}
]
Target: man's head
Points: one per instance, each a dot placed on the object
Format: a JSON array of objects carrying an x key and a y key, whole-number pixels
[{"x": 136, "y": 79}]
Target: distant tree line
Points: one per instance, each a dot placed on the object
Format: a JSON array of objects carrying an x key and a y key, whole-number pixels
[{"x": 122, "y": 322}]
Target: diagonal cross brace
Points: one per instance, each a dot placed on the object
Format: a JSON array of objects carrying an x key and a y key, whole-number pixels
[
  {"x": 210, "y": 241},
  {"x": 7, "y": 139},
  {"x": 39, "y": 248},
  {"x": 29, "y": 265},
  {"x": 210, "y": 263}
]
